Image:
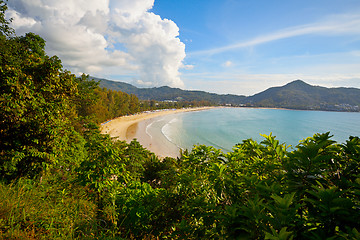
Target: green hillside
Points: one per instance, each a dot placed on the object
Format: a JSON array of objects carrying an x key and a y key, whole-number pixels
[
  {"x": 168, "y": 93},
  {"x": 294, "y": 95},
  {"x": 300, "y": 95}
]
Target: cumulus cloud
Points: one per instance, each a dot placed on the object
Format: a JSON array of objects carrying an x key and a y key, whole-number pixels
[{"x": 119, "y": 37}]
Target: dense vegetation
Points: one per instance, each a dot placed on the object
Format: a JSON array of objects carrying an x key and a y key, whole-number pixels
[
  {"x": 62, "y": 179},
  {"x": 295, "y": 95}
]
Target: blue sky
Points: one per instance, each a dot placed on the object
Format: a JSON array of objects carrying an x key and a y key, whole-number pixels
[
  {"x": 229, "y": 46},
  {"x": 265, "y": 43}
]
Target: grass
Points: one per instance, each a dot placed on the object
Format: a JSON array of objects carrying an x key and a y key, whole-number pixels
[{"x": 30, "y": 210}]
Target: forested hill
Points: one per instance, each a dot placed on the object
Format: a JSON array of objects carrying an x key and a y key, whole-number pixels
[
  {"x": 300, "y": 95},
  {"x": 168, "y": 93},
  {"x": 294, "y": 95}
]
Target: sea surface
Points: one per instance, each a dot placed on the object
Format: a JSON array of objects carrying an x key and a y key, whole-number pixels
[{"x": 225, "y": 127}]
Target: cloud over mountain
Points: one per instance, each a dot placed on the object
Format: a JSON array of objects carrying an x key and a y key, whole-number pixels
[{"x": 119, "y": 37}]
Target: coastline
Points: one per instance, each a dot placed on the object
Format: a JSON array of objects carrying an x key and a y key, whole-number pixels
[{"x": 127, "y": 128}]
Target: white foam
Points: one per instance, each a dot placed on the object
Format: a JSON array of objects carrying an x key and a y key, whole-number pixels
[
  {"x": 166, "y": 131},
  {"x": 147, "y": 130},
  {"x": 174, "y": 120}
]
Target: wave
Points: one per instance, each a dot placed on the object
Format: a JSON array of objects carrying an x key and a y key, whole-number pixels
[
  {"x": 150, "y": 125},
  {"x": 174, "y": 120},
  {"x": 147, "y": 130},
  {"x": 166, "y": 132}
]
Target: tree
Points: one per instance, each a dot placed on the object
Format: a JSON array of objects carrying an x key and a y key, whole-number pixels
[
  {"x": 35, "y": 97},
  {"x": 5, "y": 30},
  {"x": 85, "y": 98}
]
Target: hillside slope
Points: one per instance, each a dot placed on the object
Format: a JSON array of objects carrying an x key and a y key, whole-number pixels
[
  {"x": 294, "y": 95},
  {"x": 168, "y": 93},
  {"x": 300, "y": 95}
]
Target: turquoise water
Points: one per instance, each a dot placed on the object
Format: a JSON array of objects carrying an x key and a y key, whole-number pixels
[{"x": 225, "y": 127}]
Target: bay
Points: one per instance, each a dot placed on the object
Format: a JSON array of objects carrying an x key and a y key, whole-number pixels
[{"x": 225, "y": 127}]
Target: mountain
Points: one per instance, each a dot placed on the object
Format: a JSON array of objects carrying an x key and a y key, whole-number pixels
[
  {"x": 300, "y": 95},
  {"x": 168, "y": 93},
  {"x": 294, "y": 95}
]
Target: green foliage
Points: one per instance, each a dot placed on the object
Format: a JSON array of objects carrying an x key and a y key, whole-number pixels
[
  {"x": 263, "y": 191},
  {"x": 35, "y": 100},
  {"x": 95, "y": 104},
  {"x": 203, "y": 194},
  {"x": 103, "y": 164},
  {"x": 282, "y": 235},
  {"x": 31, "y": 211},
  {"x": 5, "y": 30},
  {"x": 141, "y": 210}
]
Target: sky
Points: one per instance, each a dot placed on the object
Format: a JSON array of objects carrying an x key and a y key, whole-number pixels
[{"x": 223, "y": 46}]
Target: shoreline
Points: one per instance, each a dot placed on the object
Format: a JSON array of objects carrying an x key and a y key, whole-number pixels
[{"x": 127, "y": 128}]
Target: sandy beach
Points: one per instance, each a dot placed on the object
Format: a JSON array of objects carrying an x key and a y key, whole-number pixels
[{"x": 127, "y": 128}]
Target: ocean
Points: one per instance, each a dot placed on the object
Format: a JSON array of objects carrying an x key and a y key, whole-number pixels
[{"x": 225, "y": 127}]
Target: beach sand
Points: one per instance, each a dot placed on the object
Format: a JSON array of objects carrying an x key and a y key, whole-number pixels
[{"x": 127, "y": 128}]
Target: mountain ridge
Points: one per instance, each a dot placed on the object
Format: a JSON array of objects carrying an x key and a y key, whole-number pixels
[
  {"x": 293, "y": 95},
  {"x": 301, "y": 95},
  {"x": 167, "y": 93}
]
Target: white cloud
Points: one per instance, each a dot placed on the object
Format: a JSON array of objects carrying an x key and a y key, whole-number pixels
[
  {"x": 188, "y": 67},
  {"x": 227, "y": 64},
  {"x": 333, "y": 25},
  {"x": 142, "y": 83},
  {"x": 21, "y": 22},
  {"x": 102, "y": 36}
]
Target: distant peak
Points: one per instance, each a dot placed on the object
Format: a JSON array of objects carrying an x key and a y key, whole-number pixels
[{"x": 297, "y": 82}]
